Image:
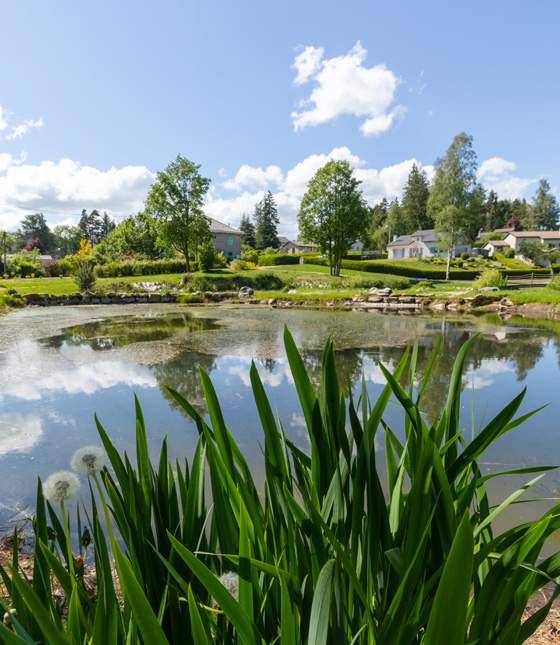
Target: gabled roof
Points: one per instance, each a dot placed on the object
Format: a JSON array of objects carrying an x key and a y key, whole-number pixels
[
  {"x": 497, "y": 243},
  {"x": 219, "y": 227},
  {"x": 283, "y": 240},
  {"x": 543, "y": 235},
  {"x": 402, "y": 240}
]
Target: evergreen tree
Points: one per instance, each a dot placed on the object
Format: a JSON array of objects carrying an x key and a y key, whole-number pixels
[
  {"x": 397, "y": 220},
  {"x": 35, "y": 226},
  {"x": 490, "y": 212},
  {"x": 266, "y": 223},
  {"x": 503, "y": 213},
  {"x": 521, "y": 209},
  {"x": 378, "y": 232},
  {"x": 92, "y": 226},
  {"x": 545, "y": 210},
  {"x": 107, "y": 225},
  {"x": 248, "y": 229},
  {"x": 415, "y": 201}
]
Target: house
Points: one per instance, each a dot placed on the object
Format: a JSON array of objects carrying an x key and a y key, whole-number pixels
[
  {"x": 297, "y": 247},
  {"x": 226, "y": 240},
  {"x": 549, "y": 239},
  {"x": 496, "y": 246},
  {"x": 421, "y": 244}
]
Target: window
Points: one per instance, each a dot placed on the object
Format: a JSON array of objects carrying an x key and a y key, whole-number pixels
[{"x": 230, "y": 241}]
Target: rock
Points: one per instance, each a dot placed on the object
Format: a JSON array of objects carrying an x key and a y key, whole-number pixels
[
  {"x": 358, "y": 299},
  {"x": 245, "y": 292},
  {"x": 439, "y": 305},
  {"x": 486, "y": 289},
  {"x": 129, "y": 299},
  {"x": 407, "y": 300},
  {"x": 385, "y": 292},
  {"x": 154, "y": 297},
  {"x": 208, "y": 295},
  {"x": 166, "y": 298},
  {"x": 217, "y": 297},
  {"x": 76, "y": 294},
  {"x": 375, "y": 299},
  {"x": 88, "y": 294},
  {"x": 106, "y": 300},
  {"x": 479, "y": 301},
  {"x": 292, "y": 292},
  {"x": 142, "y": 299},
  {"x": 272, "y": 301},
  {"x": 32, "y": 297},
  {"x": 115, "y": 300},
  {"x": 111, "y": 294},
  {"x": 96, "y": 301},
  {"x": 507, "y": 302},
  {"x": 86, "y": 301},
  {"x": 254, "y": 301},
  {"x": 98, "y": 294}
]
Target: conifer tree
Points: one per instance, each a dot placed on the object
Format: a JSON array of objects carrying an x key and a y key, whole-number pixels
[
  {"x": 248, "y": 229},
  {"x": 545, "y": 210},
  {"x": 415, "y": 200},
  {"x": 266, "y": 223}
]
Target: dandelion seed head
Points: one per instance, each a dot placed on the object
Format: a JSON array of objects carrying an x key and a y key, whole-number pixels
[
  {"x": 230, "y": 581},
  {"x": 61, "y": 485},
  {"x": 88, "y": 460}
]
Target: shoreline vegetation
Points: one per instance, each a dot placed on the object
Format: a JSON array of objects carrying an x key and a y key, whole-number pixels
[
  {"x": 306, "y": 285},
  {"x": 320, "y": 555}
]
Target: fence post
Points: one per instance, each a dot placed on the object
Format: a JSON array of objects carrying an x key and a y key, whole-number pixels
[
  {"x": 507, "y": 278},
  {"x": 532, "y": 274}
]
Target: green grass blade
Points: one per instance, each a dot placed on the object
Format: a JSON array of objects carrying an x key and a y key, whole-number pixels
[{"x": 320, "y": 609}]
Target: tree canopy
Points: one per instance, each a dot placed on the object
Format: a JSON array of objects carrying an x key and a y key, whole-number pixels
[
  {"x": 35, "y": 226},
  {"x": 248, "y": 229},
  {"x": 415, "y": 201},
  {"x": 545, "y": 211},
  {"x": 175, "y": 201},
  {"x": 456, "y": 197},
  {"x": 333, "y": 214}
]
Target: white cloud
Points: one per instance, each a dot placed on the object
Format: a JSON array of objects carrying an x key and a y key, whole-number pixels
[
  {"x": 376, "y": 184},
  {"x": 343, "y": 85},
  {"x": 485, "y": 374},
  {"x": 298, "y": 177},
  {"x": 18, "y": 130},
  {"x": 307, "y": 64},
  {"x": 67, "y": 186},
  {"x": 255, "y": 178},
  {"x": 23, "y": 128},
  {"x": 19, "y": 433},
  {"x": 497, "y": 174},
  {"x": 7, "y": 160}
]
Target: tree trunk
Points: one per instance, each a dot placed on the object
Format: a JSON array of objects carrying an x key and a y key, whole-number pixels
[
  {"x": 187, "y": 258},
  {"x": 449, "y": 253}
]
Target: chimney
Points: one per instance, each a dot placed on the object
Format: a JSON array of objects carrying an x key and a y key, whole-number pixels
[{"x": 395, "y": 238}]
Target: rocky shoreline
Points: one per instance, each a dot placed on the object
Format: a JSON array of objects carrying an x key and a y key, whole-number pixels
[{"x": 383, "y": 300}]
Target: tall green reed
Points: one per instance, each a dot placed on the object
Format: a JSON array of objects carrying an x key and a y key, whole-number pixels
[{"x": 323, "y": 555}]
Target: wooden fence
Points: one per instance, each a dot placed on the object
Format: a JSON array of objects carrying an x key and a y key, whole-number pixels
[{"x": 529, "y": 280}]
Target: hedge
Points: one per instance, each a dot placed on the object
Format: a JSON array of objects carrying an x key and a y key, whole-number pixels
[
  {"x": 278, "y": 259},
  {"x": 142, "y": 267},
  {"x": 375, "y": 266}
]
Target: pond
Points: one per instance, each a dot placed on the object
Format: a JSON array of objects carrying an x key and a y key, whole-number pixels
[{"x": 60, "y": 366}]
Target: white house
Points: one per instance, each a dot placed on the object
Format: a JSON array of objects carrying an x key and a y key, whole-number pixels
[
  {"x": 548, "y": 239},
  {"x": 422, "y": 244}
]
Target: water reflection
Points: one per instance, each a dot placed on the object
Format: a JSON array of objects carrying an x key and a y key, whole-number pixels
[
  {"x": 52, "y": 387},
  {"x": 120, "y": 331}
]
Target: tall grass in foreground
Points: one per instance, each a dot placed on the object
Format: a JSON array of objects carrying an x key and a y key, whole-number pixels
[{"x": 322, "y": 556}]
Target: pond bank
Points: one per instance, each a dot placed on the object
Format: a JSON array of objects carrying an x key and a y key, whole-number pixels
[{"x": 386, "y": 302}]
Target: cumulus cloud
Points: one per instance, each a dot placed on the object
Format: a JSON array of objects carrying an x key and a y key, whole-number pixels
[
  {"x": 376, "y": 184},
  {"x": 497, "y": 174},
  {"x": 255, "y": 178},
  {"x": 307, "y": 63},
  {"x": 10, "y": 132},
  {"x": 68, "y": 186},
  {"x": 344, "y": 85}
]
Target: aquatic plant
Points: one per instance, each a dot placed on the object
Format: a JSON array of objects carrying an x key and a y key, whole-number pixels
[{"x": 323, "y": 554}]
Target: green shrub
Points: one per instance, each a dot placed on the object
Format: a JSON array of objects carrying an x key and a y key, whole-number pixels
[
  {"x": 142, "y": 267},
  {"x": 465, "y": 256},
  {"x": 206, "y": 257},
  {"x": 324, "y": 554},
  {"x": 238, "y": 264},
  {"x": 425, "y": 283},
  {"x": 555, "y": 283},
  {"x": 26, "y": 264},
  {"x": 258, "y": 280},
  {"x": 490, "y": 278},
  {"x": 278, "y": 259},
  {"x": 380, "y": 282},
  {"x": 85, "y": 275}
]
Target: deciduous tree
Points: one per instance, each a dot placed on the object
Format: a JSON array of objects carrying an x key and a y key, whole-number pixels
[
  {"x": 33, "y": 226},
  {"x": 333, "y": 214},
  {"x": 545, "y": 210},
  {"x": 175, "y": 201},
  {"x": 456, "y": 197}
]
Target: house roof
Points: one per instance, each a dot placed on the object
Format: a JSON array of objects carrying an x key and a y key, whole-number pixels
[
  {"x": 428, "y": 235},
  {"x": 497, "y": 243},
  {"x": 219, "y": 227},
  {"x": 402, "y": 240},
  {"x": 543, "y": 235},
  {"x": 283, "y": 240}
]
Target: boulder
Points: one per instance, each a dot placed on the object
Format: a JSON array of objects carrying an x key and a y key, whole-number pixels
[
  {"x": 167, "y": 298},
  {"x": 292, "y": 292},
  {"x": 245, "y": 292},
  {"x": 154, "y": 297},
  {"x": 486, "y": 289},
  {"x": 32, "y": 297}
]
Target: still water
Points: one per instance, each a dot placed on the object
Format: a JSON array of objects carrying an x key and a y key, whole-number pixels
[{"x": 60, "y": 366}]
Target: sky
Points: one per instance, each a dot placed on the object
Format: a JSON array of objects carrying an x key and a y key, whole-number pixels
[{"x": 96, "y": 98}]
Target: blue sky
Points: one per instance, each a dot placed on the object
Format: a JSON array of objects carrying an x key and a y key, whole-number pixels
[{"x": 96, "y": 98}]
